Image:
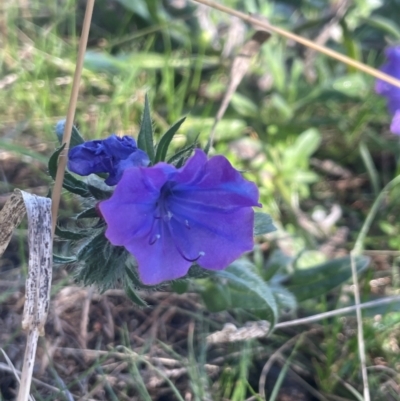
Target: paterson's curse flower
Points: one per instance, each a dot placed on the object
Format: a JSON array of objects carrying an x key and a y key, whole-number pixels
[
  {"x": 111, "y": 155},
  {"x": 391, "y": 92},
  {"x": 168, "y": 218}
]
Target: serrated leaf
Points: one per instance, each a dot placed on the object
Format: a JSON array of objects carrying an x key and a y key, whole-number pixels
[
  {"x": 318, "y": 280},
  {"x": 88, "y": 213},
  {"x": 263, "y": 224},
  {"x": 71, "y": 235},
  {"x": 162, "y": 147},
  {"x": 101, "y": 263},
  {"x": 70, "y": 183},
  {"x": 62, "y": 260},
  {"x": 76, "y": 137},
  {"x": 145, "y": 137}
]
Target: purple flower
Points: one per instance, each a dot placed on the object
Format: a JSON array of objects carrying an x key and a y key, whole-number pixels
[
  {"x": 111, "y": 155},
  {"x": 391, "y": 92},
  {"x": 168, "y": 218}
]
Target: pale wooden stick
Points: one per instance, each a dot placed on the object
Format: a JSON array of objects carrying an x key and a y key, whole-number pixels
[
  {"x": 62, "y": 161},
  {"x": 299, "y": 39},
  {"x": 38, "y": 282}
]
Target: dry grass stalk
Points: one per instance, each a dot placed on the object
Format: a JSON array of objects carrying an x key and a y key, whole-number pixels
[{"x": 62, "y": 162}]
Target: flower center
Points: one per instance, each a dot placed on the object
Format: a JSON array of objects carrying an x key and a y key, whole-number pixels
[{"x": 162, "y": 222}]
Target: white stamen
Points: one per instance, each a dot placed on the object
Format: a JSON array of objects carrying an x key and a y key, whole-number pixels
[{"x": 201, "y": 253}]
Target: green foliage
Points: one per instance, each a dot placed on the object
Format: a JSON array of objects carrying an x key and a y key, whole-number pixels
[
  {"x": 100, "y": 263},
  {"x": 88, "y": 214},
  {"x": 165, "y": 141},
  {"x": 319, "y": 280},
  {"x": 70, "y": 183},
  {"x": 76, "y": 137},
  {"x": 71, "y": 235},
  {"x": 263, "y": 224},
  {"x": 145, "y": 137},
  {"x": 239, "y": 286}
]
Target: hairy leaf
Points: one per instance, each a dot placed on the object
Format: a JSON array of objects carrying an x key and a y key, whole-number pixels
[
  {"x": 145, "y": 137},
  {"x": 320, "y": 279},
  {"x": 162, "y": 147},
  {"x": 263, "y": 224}
]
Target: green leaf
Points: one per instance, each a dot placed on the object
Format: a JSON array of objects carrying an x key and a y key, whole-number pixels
[
  {"x": 384, "y": 24},
  {"x": 99, "y": 193},
  {"x": 61, "y": 260},
  {"x": 88, "y": 213},
  {"x": 101, "y": 263},
  {"x": 299, "y": 153},
  {"x": 53, "y": 161},
  {"x": 263, "y": 224},
  {"x": 179, "y": 158},
  {"x": 216, "y": 296},
  {"x": 284, "y": 298},
  {"x": 162, "y": 147},
  {"x": 145, "y": 137},
  {"x": 71, "y": 235},
  {"x": 70, "y": 183},
  {"x": 318, "y": 280},
  {"x": 180, "y": 286},
  {"x": 98, "y": 188},
  {"x": 133, "y": 296},
  {"x": 244, "y": 289},
  {"x": 244, "y": 106},
  {"x": 138, "y": 7},
  {"x": 352, "y": 85},
  {"x": 76, "y": 137}
]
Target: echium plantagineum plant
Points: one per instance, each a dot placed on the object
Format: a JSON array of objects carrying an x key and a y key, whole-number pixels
[{"x": 150, "y": 219}]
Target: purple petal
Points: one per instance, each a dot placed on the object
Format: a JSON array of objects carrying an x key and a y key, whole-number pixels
[
  {"x": 119, "y": 147},
  {"x": 219, "y": 186},
  {"x": 395, "y": 125},
  {"x": 159, "y": 261},
  {"x": 136, "y": 159},
  {"x": 131, "y": 209},
  {"x": 111, "y": 155},
  {"x": 168, "y": 218},
  {"x": 218, "y": 239},
  {"x": 193, "y": 168},
  {"x": 391, "y": 67},
  {"x": 84, "y": 161}
]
